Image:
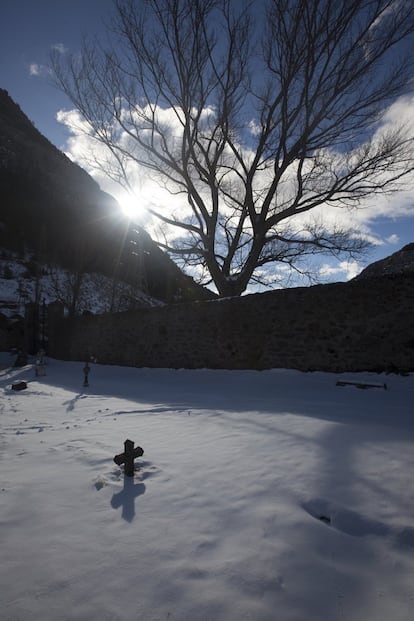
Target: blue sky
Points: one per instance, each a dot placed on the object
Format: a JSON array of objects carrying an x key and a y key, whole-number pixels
[{"x": 29, "y": 29}]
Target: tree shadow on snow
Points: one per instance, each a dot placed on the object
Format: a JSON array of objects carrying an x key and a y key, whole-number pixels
[
  {"x": 351, "y": 504},
  {"x": 275, "y": 392}
]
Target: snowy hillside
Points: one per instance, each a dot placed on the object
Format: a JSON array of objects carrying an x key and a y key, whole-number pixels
[
  {"x": 23, "y": 281},
  {"x": 260, "y": 496}
]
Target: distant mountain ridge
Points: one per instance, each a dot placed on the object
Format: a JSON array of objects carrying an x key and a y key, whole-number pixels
[
  {"x": 400, "y": 262},
  {"x": 52, "y": 207}
]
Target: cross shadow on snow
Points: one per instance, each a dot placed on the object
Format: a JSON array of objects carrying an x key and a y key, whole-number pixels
[{"x": 126, "y": 498}]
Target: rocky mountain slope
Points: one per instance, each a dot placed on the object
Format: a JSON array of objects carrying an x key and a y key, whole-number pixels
[
  {"x": 53, "y": 209},
  {"x": 401, "y": 262}
]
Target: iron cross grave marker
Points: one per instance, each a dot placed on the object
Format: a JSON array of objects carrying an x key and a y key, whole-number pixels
[{"x": 127, "y": 457}]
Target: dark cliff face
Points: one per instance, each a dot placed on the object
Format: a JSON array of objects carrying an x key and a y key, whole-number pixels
[
  {"x": 52, "y": 207},
  {"x": 48, "y": 203}
]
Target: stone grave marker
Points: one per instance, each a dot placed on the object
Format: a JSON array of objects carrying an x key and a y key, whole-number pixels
[{"x": 127, "y": 457}]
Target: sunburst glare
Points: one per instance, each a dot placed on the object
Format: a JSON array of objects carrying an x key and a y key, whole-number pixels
[{"x": 131, "y": 205}]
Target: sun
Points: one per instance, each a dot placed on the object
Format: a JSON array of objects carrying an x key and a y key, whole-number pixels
[
  {"x": 139, "y": 205},
  {"x": 130, "y": 205}
]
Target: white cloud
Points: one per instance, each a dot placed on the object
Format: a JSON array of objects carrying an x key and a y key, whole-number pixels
[
  {"x": 59, "y": 47},
  {"x": 346, "y": 269},
  {"x": 78, "y": 127},
  {"x": 36, "y": 69},
  {"x": 254, "y": 127},
  {"x": 392, "y": 239},
  {"x": 39, "y": 69}
]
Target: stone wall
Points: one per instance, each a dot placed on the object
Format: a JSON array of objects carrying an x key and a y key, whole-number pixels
[{"x": 360, "y": 325}]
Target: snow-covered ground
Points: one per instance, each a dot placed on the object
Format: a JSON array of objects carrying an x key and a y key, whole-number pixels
[{"x": 263, "y": 496}]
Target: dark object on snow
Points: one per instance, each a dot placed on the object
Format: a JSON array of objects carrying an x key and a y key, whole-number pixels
[
  {"x": 324, "y": 518},
  {"x": 86, "y": 370},
  {"x": 19, "y": 386},
  {"x": 128, "y": 457},
  {"x": 361, "y": 384},
  {"x": 21, "y": 359}
]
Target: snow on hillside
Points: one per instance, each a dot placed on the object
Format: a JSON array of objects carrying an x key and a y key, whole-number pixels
[
  {"x": 260, "y": 496},
  {"x": 23, "y": 281}
]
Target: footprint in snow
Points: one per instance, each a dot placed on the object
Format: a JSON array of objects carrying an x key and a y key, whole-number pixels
[
  {"x": 343, "y": 519},
  {"x": 352, "y": 523}
]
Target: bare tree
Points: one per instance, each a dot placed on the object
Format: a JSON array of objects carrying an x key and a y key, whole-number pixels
[
  {"x": 68, "y": 288},
  {"x": 257, "y": 113}
]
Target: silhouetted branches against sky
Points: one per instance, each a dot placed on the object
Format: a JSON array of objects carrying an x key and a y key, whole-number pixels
[{"x": 260, "y": 115}]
